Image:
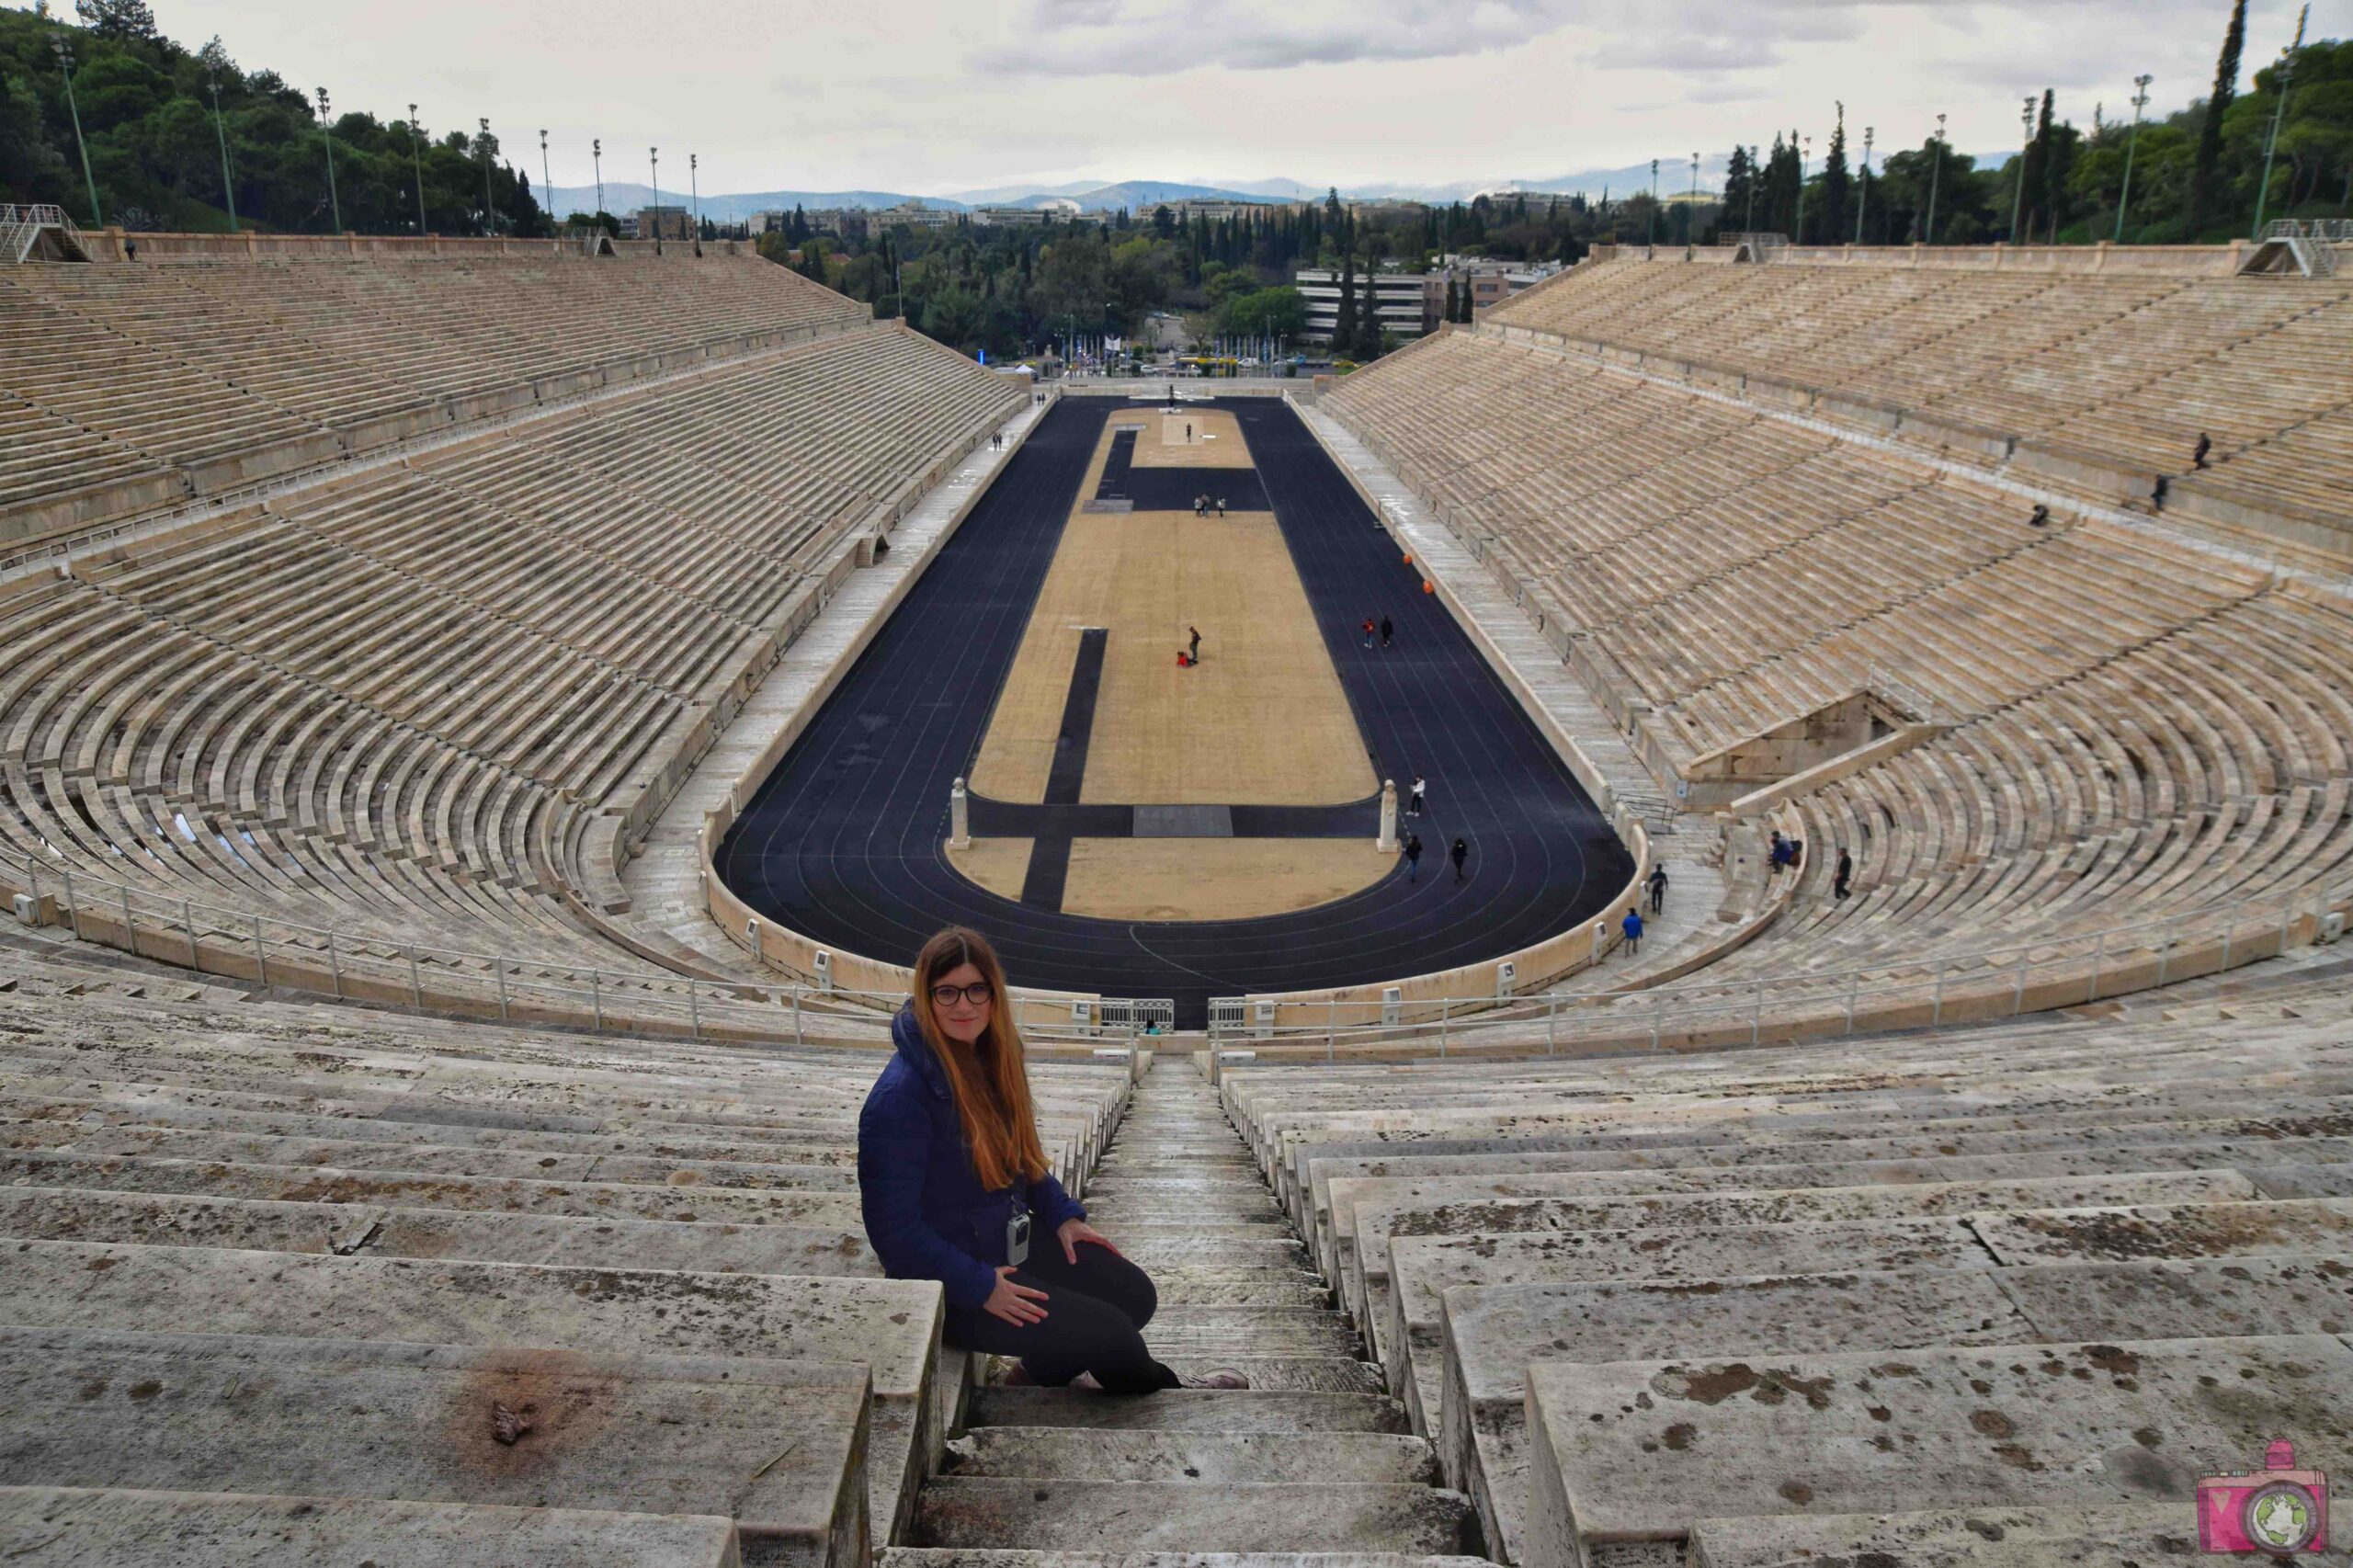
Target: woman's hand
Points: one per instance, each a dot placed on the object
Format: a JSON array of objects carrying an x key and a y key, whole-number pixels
[
  {"x": 1073, "y": 1232},
  {"x": 1016, "y": 1304}
]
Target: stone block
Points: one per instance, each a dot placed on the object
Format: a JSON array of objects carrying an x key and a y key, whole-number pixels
[
  {"x": 892, "y": 1326},
  {"x": 417, "y": 1423},
  {"x": 1630, "y": 1456},
  {"x": 61, "y": 1526}
]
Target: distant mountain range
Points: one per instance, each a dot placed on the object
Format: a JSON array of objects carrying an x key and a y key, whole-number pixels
[{"x": 1140, "y": 196}]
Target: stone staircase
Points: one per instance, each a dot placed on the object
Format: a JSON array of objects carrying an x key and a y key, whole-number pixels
[{"x": 1311, "y": 1467}]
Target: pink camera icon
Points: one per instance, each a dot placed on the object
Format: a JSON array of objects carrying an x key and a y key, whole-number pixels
[{"x": 2280, "y": 1510}]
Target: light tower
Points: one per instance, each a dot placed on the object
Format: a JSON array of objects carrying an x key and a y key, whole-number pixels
[
  {"x": 547, "y": 184},
  {"x": 596, "y": 157},
  {"x": 417, "y": 162},
  {"x": 1653, "y": 241},
  {"x": 327, "y": 134},
  {"x": 1928, "y": 235},
  {"x": 694, "y": 189},
  {"x": 654, "y": 161},
  {"x": 1691, "y": 213},
  {"x": 489, "y": 202},
  {"x": 1805, "y": 158},
  {"x": 1863, "y": 187},
  {"x": 2017, "y": 204},
  {"x": 228, "y": 188},
  {"x": 2124, "y": 196},
  {"x": 2278, "y": 111},
  {"x": 66, "y": 63}
]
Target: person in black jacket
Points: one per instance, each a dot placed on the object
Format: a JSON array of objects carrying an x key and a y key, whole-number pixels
[
  {"x": 953, "y": 1186},
  {"x": 1459, "y": 853}
]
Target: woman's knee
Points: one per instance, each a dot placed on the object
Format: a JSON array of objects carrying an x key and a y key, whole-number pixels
[{"x": 1113, "y": 1279}]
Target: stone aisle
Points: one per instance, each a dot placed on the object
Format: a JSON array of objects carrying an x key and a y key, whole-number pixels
[{"x": 1311, "y": 1458}]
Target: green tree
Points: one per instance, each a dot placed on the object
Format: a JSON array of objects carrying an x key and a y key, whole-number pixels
[
  {"x": 132, "y": 20},
  {"x": 1834, "y": 187},
  {"x": 2206, "y": 173}
]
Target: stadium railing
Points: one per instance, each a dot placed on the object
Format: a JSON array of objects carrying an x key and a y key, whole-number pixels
[{"x": 247, "y": 946}]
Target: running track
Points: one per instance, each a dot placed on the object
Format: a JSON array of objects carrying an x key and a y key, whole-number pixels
[{"x": 844, "y": 840}]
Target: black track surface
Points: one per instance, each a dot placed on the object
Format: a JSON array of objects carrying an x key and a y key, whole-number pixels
[{"x": 844, "y": 840}]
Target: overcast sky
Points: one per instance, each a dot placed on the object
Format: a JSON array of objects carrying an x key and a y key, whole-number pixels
[{"x": 938, "y": 96}]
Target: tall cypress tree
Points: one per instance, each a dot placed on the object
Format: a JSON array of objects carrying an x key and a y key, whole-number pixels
[
  {"x": 2205, "y": 174},
  {"x": 1837, "y": 179},
  {"x": 1344, "y": 325}
]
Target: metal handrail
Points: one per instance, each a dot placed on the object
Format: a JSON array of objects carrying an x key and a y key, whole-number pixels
[
  {"x": 244, "y": 944},
  {"x": 2073, "y": 969}
]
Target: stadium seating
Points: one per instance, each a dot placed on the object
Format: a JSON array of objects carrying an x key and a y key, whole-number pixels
[
  {"x": 2130, "y": 727},
  {"x": 2045, "y": 369},
  {"x": 1635, "y": 1299},
  {"x": 651, "y": 1256},
  {"x": 140, "y": 386},
  {"x": 425, "y": 700}
]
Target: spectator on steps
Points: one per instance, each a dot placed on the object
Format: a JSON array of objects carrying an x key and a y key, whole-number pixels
[
  {"x": 953, "y": 1186},
  {"x": 2205, "y": 445},
  {"x": 1779, "y": 855},
  {"x": 1656, "y": 883},
  {"x": 1459, "y": 853},
  {"x": 1194, "y": 651},
  {"x": 1413, "y": 856},
  {"x": 1843, "y": 877},
  {"x": 1632, "y": 926},
  {"x": 2040, "y": 517}
]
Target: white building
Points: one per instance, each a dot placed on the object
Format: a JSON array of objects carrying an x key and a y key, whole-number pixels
[
  {"x": 916, "y": 215},
  {"x": 1397, "y": 296}
]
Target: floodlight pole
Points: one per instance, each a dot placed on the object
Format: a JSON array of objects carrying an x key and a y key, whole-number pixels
[
  {"x": 1863, "y": 187},
  {"x": 654, "y": 160},
  {"x": 597, "y": 158},
  {"x": 1805, "y": 156},
  {"x": 546, "y": 183},
  {"x": 1691, "y": 213},
  {"x": 2124, "y": 196},
  {"x": 416, "y": 163},
  {"x": 1752, "y": 190},
  {"x": 2278, "y": 111},
  {"x": 66, "y": 63},
  {"x": 228, "y": 187},
  {"x": 489, "y": 202},
  {"x": 2017, "y": 203},
  {"x": 1652, "y": 242},
  {"x": 327, "y": 134},
  {"x": 1935, "y": 170},
  {"x": 694, "y": 189}
]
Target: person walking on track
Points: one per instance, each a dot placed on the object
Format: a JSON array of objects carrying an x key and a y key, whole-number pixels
[
  {"x": 1632, "y": 926},
  {"x": 1387, "y": 630},
  {"x": 953, "y": 1186},
  {"x": 1414, "y": 797},
  {"x": 1658, "y": 884},
  {"x": 1413, "y": 856},
  {"x": 1459, "y": 853},
  {"x": 1368, "y": 629}
]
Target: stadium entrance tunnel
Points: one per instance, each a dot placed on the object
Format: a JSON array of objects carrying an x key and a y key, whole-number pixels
[{"x": 1143, "y": 826}]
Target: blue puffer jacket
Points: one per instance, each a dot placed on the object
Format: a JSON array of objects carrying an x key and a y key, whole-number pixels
[{"x": 926, "y": 1214}]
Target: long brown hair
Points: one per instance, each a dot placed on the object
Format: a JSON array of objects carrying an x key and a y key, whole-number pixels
[{"x": 988, "y": 1078}]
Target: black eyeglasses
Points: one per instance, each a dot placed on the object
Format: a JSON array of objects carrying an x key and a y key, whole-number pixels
[{"x": 976, "y": 993}]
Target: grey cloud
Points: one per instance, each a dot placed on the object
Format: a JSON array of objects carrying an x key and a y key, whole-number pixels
[{"x": 1155, "y": 38}]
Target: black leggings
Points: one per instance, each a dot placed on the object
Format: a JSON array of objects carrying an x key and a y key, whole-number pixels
[{"x": 1096, "y": 1310}]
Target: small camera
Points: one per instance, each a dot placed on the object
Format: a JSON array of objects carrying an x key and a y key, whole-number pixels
[
  {"x": 1016, "y": 1237},
  {"x": 2280, "y": 1510}
]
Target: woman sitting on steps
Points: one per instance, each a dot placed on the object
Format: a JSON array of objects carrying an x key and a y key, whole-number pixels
[{"x": 953, "y": 1186}]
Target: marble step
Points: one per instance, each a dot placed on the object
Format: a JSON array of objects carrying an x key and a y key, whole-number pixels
[
  {"x": 64, "y": 1527},
  {"x": 1187, "y": 1410},
  {"x": 1162, "y": 1516},
  {"x": 1000, "y": 1557},
  {"x": 1063, "y": 1453}
]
